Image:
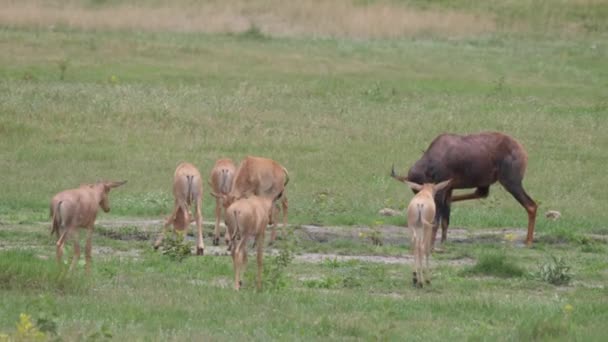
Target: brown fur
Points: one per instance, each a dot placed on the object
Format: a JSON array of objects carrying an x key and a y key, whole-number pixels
[
  {"x": 245, "y": 218},
  {"x": 221, "y": 178},
  {"x": 187, "y": 191},
  {"x": 473, "y": 161},
  {"x": 77, "y": 208},
  {"x": 260, "y": 177}
]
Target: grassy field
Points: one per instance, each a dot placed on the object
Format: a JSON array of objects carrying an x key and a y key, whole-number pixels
[{"x": 337, "y": 91}]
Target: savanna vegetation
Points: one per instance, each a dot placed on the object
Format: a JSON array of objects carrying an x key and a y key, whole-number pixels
[{"x": 337, "y": 91}]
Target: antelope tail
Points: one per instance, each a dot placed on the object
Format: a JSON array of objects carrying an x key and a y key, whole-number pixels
[
  {"x": 223, "y": 183},
  {"x": 236, "y": 222},
  {"x": 286, "y": 176},
  {"x": 56, "y": 213},
  {"x": 420, "y": 207},
  {"x": 189, "y": 197}
]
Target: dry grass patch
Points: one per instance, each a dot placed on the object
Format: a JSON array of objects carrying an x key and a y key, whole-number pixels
[{"x": 339, "y": 18}]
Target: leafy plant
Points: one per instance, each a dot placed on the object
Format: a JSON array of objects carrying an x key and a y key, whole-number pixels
[
  {"x": 176, "y": 247},
  {"x": 555, "y": 271},
  {"x": 25, "y": 330},
  {"x": 274, "y": 270}
]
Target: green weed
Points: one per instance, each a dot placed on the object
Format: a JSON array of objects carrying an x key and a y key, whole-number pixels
[
  {"x": 176, "y": 247},
  {"x": 555, "y": 271}
]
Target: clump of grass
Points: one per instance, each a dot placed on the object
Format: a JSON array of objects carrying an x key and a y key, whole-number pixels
[
  {"x": 494, "y": 264},
  {"x": 63, "y": 67},
  {"x": 555, "y": 271},
  {"x": 176, "y": 247},
  {"x": 253, "y": 33},
  {"x": 274, "y": 270},
  {"x": 21, "y": 269}
]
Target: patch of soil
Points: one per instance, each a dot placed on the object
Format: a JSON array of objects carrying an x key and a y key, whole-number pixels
[{"x": 126, "y": 235}]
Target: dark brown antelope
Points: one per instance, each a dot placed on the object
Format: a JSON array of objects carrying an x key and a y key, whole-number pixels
[{"x": 472, "y": 161}]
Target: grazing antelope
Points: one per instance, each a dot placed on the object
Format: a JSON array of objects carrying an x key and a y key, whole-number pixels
[
  {"x": 472, "y": 161},
  {"x": 420, "y": 216},
  {"x": 77, "y": 208},
  {"x": 221, "y": 179},
  {"x": 187, "y": 191},
  {"x": 260, "y": 177},
  {"x": 245, "y": 218}
]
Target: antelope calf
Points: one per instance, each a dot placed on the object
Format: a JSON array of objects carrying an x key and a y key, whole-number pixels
[
  {"x": 260, "y": 177},
  {"x": 420, "y": 216},
  {"x": 221, "y": 179},
  {"x": 187, "y": 191},
  {"x": 77, "y": 208},
  {"x": 245, "y": 218}
]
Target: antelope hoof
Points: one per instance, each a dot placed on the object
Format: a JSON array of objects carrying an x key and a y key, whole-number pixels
[
  {"x": 414, "y": 279},
  {"x": 419, "y": 285},
  {"x": 200, "y": 251},
  {"x": 216, "y": 241}
]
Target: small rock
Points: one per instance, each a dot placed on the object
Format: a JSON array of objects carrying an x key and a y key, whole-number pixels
[
  {"x": 389, "y": 212},
  {"x": 553, "y": 215}
]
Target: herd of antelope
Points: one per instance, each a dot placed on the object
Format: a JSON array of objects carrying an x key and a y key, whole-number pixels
[{"x": 251, "y": 195}]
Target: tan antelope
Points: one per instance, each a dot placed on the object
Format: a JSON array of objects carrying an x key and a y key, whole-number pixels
[
  {"x": 221, "y": 179},
  {"x": 420, "y": 216},
  {"x": 187, "y": 191},
  {"x": 245, "y": 218},
  {"x": 77, "y": 208},
  {"x": 260, "y": 177}
]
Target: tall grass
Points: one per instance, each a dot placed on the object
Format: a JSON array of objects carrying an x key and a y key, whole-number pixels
[{"x": 24, "y": 271}]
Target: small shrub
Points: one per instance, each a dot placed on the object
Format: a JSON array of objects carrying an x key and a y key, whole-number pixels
[
  {"x": 494, "y": 264},
  {"x": 25, "y": 330},
  {"x": 323, "y": 283},
  {"x": 176, "y": 247},
  {"x": 555, "y": 271},
  {"x": 376, "y": 237},
  {"x": 253, "y": 33},
  {"x": 274, "y": 270},
  {"x": 331, "y": 263}
]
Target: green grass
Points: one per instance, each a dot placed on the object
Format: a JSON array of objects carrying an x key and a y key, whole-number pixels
[
  {"x": 78, "y": 104},
  {"x": 336, "y": 113},
  {"x": 153, "y": 297}
]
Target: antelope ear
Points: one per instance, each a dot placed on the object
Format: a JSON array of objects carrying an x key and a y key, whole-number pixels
[
  {"x": 440, "y": 186},
  {"x": 414, "y": 186}
]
